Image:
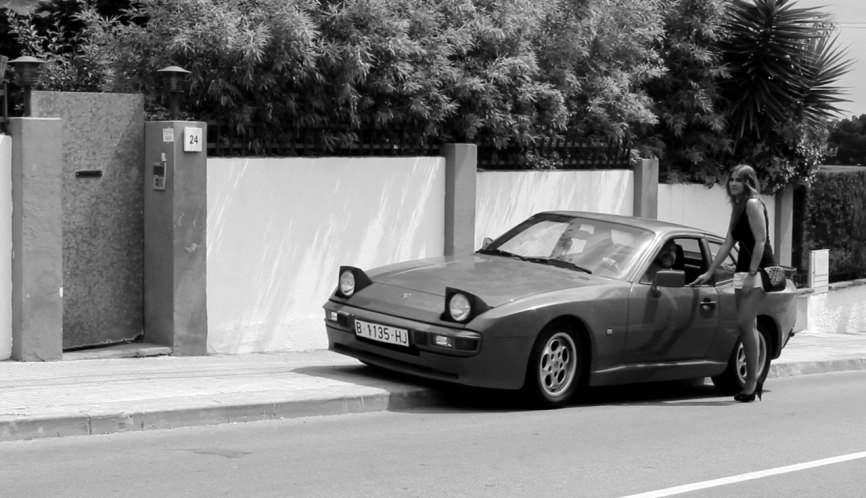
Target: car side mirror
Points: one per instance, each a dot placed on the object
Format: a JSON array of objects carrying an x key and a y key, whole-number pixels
[
  {"x": 667, "y": 278},
  {"x": 486, "y": 242}
]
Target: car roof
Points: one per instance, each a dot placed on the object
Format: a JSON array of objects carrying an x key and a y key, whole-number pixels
[{"x": 658, "y": 226}]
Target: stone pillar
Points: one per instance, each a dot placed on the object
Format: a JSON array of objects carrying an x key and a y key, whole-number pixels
[
  {"x": 783, "y": 245},
  {"x": 646, "y": 188},
  {"x": 37, "y": 239},
  {"x": 175, "y": 231},
  {"x": 461, "y": 169}
]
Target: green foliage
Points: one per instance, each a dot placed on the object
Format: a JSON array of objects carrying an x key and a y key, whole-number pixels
[
  {"x": 699, "y": 83},
  {"x": 499, "y": 88},
  {"x": 847, "y": 141},
  {"x": 600, "y": 54},
  {"x": 690, "y": 138},
  {"x": 836, "y": 220},
  {"x": 454, "y": 70},
  {"x": 784, "y": 63},
  {"x": 514, "y": 72},
  {"x": 54, "y": 33}
]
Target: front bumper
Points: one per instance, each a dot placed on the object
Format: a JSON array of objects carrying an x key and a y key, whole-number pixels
[{"x": 481, "y": 360}]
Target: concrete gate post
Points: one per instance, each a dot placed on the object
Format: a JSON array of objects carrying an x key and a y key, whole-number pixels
[
  {"x": 175, "y": 231},
  {"x": 646, "y": 188},
  {"x": 783, "y": 241},
  {"x": 461, "y": 171},
  {"x": 37, "y": 239}
]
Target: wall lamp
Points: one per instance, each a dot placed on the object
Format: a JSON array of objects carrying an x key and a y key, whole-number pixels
[
  {"x": 174, "y": 79},
  {"x": 27, "y": 70}
]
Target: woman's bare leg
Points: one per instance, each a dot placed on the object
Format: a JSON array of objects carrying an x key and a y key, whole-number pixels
[{"x": 747, "y": 323}]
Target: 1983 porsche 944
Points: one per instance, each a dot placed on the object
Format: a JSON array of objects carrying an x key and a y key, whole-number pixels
[{"x": 562, "y": 300}]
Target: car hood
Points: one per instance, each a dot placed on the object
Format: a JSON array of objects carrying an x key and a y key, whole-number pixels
[{"x": 495, "y": 279}]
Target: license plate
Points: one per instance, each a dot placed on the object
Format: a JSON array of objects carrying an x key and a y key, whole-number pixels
[{"x": 382, "y": 333}]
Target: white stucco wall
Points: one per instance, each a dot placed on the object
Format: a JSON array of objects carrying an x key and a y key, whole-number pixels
[
  {"x": 840, "y": 310},
  {"x": 701, "y": 207},
  {"x": 505, "y": 198},
  {"x": 5, "y": 247},
  {"x": 278, "y": 229}
]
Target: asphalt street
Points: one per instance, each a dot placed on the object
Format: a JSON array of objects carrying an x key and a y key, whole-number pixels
[{"x": 806, "y": 438}]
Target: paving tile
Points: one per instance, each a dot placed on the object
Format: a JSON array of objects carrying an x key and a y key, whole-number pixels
[{"x": 99, "y": 394}]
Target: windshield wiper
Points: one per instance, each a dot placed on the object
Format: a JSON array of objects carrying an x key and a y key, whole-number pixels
[
  {"x": 560, "y": 263},
  {"x": 545, "y": 261},
  {"x": 500, "y": 252}
]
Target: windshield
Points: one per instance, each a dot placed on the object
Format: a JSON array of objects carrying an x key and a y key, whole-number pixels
[{"x": 599, "y": 247}]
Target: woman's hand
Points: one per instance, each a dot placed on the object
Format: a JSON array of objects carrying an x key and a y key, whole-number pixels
[
  {"x": 702, "y": 279},
  {"x": 748, "y": 284}
]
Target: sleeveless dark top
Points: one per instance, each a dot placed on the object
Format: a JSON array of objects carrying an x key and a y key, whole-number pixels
[{"x": 742, "y": 233}]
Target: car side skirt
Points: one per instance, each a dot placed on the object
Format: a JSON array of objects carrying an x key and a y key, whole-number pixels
[{"x": 659, "y": 372}]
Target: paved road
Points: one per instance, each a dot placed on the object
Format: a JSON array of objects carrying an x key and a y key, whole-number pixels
[{"x": 616, "y": 442}]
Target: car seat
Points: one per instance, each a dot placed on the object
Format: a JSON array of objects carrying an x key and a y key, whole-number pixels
[{"x": 680, "y": 263}]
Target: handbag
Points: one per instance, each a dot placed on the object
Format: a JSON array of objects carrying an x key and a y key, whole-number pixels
[{"x": 773, "y": 278}]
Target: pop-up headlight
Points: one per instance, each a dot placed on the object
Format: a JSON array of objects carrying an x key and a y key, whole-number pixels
[
  {"x": 462, "y": 306},
  {"x": 351, "y": 280}
]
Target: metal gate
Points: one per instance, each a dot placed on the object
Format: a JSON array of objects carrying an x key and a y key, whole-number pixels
[{"x": 103, "y": 224}]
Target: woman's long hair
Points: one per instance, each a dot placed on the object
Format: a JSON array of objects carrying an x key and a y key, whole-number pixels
[{"x": 752, "y": 188}]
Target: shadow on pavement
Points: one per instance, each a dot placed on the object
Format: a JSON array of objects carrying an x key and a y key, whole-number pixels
[
  {"x": 371, "y": 376},
  {"x": 452, "y": 397},
  {"x": 651, "y": 393}
]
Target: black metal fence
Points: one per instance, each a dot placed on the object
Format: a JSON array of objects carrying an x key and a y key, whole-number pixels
[
  {"x": 559, "y": 154},
  {"x": 223, "y": 141}
]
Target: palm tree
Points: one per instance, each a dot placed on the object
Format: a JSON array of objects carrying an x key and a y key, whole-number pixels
[{"x": 784, "y": 63}]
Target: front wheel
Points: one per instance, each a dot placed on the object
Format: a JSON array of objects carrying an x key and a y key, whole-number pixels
[
  {"x": 733, "y": 379},
  {"x": 555, "y": 366}
]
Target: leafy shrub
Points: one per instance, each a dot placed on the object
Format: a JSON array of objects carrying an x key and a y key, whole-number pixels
[
  {"x": 836, "y": 220},
  {"x": 514, "y": 73}
]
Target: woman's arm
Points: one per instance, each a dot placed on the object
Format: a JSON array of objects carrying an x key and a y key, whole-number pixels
[
  {"x": 755, "y": 212},
  {"x": 720, "y": 256}
]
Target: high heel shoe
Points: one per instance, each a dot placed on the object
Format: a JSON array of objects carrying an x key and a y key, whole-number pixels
[{"x": 748, "y": 398}]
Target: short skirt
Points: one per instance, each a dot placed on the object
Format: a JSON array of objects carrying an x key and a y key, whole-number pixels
[{"x": 742, "y": 276}]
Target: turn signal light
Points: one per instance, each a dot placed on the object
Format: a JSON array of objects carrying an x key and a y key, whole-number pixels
[{"x": 443, "y": 341}]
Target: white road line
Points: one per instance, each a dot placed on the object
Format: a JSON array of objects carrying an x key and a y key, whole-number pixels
[{"x": 687, "y": 488}]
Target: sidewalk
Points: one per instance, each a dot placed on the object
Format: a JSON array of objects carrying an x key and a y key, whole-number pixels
[{"x": 97, "y": 396}]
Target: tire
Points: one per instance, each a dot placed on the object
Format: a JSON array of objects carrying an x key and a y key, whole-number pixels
[
  {"x": 556, "y": 366},
  {"x": 733, "y": 379}
]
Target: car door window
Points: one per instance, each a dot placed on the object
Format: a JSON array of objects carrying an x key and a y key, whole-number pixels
[
  {"x": 693, "y": 261},
  {"x": 688, "y": 258},
  {"x": 725, "y": 271}
]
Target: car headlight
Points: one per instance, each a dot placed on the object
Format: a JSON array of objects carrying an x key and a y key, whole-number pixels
[
  {"x": 351, "y": 280},
  {"x": 462, "y": 306},
  {"x": 459, "y": 307},
  {"x": 347, "y": 283}
]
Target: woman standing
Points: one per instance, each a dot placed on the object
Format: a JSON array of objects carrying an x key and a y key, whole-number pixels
[{"x": 748, "y": 227}]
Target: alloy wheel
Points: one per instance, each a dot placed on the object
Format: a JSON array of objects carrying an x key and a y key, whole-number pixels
[
  {"x": 741, "y": 358},
  {"x": 558, "y": 364}
]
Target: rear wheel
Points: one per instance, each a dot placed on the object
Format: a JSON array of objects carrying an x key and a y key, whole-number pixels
[
  {"x": 555, "y": 366},
  {"x": 733, "y": 379}
]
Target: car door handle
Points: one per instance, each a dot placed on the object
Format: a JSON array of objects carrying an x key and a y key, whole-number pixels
[{"x": 707, "y": 304}]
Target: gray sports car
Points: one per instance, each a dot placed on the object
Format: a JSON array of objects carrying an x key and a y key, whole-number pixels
[{"x": 562, "y": 300}]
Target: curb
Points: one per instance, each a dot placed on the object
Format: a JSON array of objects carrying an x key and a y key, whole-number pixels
[
  {"x": 816, "y": 367},
  {"x": 86, "y": 424}
]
